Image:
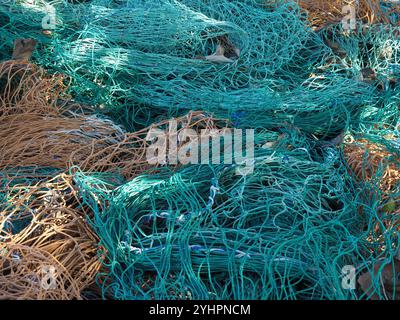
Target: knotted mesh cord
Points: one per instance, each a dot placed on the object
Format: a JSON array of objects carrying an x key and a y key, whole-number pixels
[
  {"x": 370, "y": 161},
  {"x": 129, "y": 156},
  {"x": 374, "y": 164},
  {"x": 39, "y": 126},
  {"x": 371, "y": 54},
  {"x": 39, "y": 130},
  {"x": 26, "y": 88},
  {"x": 45, "y": 141}
]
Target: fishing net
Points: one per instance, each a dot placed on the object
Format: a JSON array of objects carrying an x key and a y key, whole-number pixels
[
  {"x": 129, "y": 156},
  {"x": 247, "y": 61},
  {"x": 30, "y": 140},
  {"x": 370, "y": 55},
  {"x": 40, "y": 126},
  {"x": 374, "y": 164},
  {"x": 315, "y": 204},
  {"x": 204, "y": 232},
  {"x": 39, "y": 130},
  {"x": 384, "y": 273},
  {"x": 25, "y": 88},
  {"x": 47, "y": 250},
  {"x": 371, "y": 161}
]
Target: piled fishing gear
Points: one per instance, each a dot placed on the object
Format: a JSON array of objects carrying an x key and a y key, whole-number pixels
[
  {"x": 370, "y": 161},
  {"x": 27, "y": 89},
  {"x": 129, "y": 157},
  {"x": 29, "y": 140},
  {"x": 204, "y": 232},
  {"x": 40, "y": 127},
  {"x": 86, "y": 215}
]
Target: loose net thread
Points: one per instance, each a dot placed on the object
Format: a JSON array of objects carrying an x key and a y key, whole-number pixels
[
  {"x": 36, "y": 129},
  {"x": 370, "y": 55},
  {"x": 371, "y": 161},
  {"x": 287, "y": 76},
  {"x": 39, "y": 132},
  {"x": 32, "y": 140},
  {"x": 54, "y": 254}
]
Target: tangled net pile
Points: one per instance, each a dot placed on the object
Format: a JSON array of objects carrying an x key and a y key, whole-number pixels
[{"x": 84, "y": 214}]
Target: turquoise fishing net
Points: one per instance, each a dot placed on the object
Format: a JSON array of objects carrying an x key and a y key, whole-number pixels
[
  {"x": 372, "y": 49},
  {"x": 146, "y": 58},
  {"x": 204, "y": 232}
]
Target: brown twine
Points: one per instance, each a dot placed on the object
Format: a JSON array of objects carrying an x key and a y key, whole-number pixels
[
  {"x": 26, "y": 88},
  {"x": 55, "y": 256},
  {"x": 34, "y": 140},
  {"x": 89, "y": 142},
  {"x": 366, "y": 159},
  {"x": 324, "y": 12},
  {"x": 35, "y": 130},
  {"x": 93, "y": 144}
]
